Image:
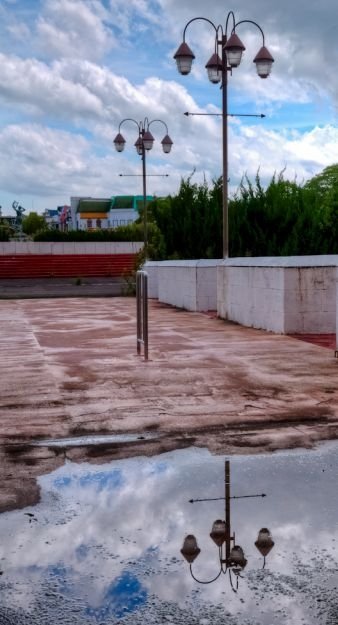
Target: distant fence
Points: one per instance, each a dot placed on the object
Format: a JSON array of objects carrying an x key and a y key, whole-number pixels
[{"x": 63, "y": 260}]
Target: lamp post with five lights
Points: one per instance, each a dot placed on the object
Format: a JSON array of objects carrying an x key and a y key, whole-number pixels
[
  {"x": 143, "y": 144},
  {"x": 228, "y": 50}
]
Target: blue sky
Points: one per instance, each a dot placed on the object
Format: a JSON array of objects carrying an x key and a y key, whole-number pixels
[{"x": 71, "y": 70}]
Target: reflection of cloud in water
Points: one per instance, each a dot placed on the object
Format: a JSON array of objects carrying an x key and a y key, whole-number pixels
[
  {"x": 103, "y": 480},
  {"x": 122, "y": 596},
  {"x": 111, "y": 534}
]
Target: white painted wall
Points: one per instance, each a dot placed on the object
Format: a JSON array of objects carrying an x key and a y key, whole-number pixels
[
  {"x": 310, "y": 299},
  {"x": 31, "y": 247},
  {"x": 284, "y": 295},
  {"x": 252, "y": 296},
  {"x": 152, "y": 269},
  {"x": 189, "y": 284},
  {"x": 122, "y": 216},
  {"x": 287, "y": 294}
]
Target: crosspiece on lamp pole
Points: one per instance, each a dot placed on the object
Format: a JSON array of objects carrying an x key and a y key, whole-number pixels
[
  {"x": 261, "y": 115},
  {"x": 143, "y": 144},
  {"x": 223, "y": 498},
  {"x": 227, "y": 54},
  {"x": 147, "y": 175}
]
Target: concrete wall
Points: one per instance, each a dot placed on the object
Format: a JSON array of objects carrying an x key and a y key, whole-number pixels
[
  {"x": 189, "y": 284},
  {"x": 152, "y": 268},
  {"x": 310, "y": 300},
  {"x": 13, "y": 248},
  {"x": 287, "y": 295},
  {"x": 252, "y": 296}
]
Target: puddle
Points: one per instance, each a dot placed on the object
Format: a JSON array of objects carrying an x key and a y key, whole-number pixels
[
  {"x": 99, "y": 439},
  {"x": 103, "y": 545}
]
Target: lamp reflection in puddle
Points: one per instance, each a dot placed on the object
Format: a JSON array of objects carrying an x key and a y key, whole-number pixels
[{"x": 231, "y": 555}]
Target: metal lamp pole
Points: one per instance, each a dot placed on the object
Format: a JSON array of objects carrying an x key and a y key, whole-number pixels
[
  {"x": 143, "y": 144},
  {"x": 231, "y": 49}
]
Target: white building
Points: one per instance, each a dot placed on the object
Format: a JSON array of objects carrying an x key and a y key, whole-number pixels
[{"x": 100, "y": 213}]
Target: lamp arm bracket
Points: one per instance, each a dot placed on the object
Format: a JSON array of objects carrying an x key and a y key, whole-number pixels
[
  {"x": 161, "y": 121},
  {"x": 204, "y": 19},
  {"x": 250, "y": 22},
  {"x": 130, "y": 119},
  {"x": 230, "y": 14},
  {"x": 231, "y": 584},
  {"x": 206, "y": 582}
]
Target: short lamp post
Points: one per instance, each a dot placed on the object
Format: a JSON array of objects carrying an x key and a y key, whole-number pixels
[
  {"x": 231, "y": 555},
  {"x": 228, "y": 50},
  {"x": 143, "y": 144}
]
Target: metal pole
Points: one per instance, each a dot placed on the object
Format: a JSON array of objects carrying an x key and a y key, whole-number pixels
[
  {"x": 138, "y": 311},
  {"x": 145, "y": 314},
  {"x": 225, "y": 148},
  {"x": 145, "y": 217},
  {"x": 227, "y": 511},
  {"x": 142, "y": 312}
]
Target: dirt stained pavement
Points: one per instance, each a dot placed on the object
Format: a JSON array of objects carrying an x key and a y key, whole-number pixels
[{"x": 68, "y": 368}]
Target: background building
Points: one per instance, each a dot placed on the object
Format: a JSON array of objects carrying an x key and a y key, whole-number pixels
[
  {"x": 58, "y": 218},
  {"x": 96, "y": 213}
]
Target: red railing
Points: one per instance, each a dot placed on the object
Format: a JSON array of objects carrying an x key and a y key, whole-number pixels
[{"x": 65, "y": 265}]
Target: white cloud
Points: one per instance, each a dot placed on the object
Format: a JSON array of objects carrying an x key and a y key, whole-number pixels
[
  {"x": 89, "y": 90},
  {"x": 75, "y": 29},
  {"x": 41, "y": 88},
  {"x": 37, "y": 160},
  {"x": 302, "y": 154}
]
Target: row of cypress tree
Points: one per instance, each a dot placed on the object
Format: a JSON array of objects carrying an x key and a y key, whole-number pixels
[{"x": 284, "y": 218}]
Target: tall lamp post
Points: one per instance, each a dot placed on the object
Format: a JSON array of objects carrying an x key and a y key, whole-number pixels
[
  {"x": 227, "y": 56},
  {"x": 143, "y": 144},
  {"x": 231, "y": 555}
]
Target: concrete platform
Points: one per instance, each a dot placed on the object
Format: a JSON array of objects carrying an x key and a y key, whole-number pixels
[
  {"x": 32, "y": 288},
  {"x": 68, "y": 367}
]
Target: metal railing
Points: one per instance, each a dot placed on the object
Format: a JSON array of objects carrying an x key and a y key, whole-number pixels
[{"x": 142, "y": 312}]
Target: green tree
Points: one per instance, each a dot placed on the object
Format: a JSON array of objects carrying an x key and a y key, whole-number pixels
[
  {"x": 5, "y": 231},
  {"x": 190, "y": 221},
  {"x": 32, "y": 223},
  {"x": 322, "y": 191}
]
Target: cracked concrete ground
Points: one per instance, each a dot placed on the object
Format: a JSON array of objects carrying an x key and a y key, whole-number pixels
[{"x": 69, "y": 367}]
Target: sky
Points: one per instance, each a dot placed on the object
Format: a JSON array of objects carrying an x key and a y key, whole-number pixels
[{"x": 72, "y": 70}]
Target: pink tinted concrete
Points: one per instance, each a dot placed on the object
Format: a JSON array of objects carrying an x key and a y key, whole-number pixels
[
  {"x": 69, "y": 366},
  {"x": 324, "y": 340}
]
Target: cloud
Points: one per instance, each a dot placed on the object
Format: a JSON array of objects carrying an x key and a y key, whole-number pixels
[
  {"x": 302, "y": 154},
  {"x": 82, "y": 66},
  {"x": 34, "y": 84},
  {"x": 74, "y": 29},
  {"x": 49, "y": 161},
  {"x": 303, "y": 42}
]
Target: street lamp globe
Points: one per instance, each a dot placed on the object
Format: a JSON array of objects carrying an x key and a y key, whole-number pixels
[
  {"x": 166, "y": 144},
  {"x": 139, "y": 146},
  {"x": 214, "y": 69},
  {"x": 263, "y": 60},
  {"x": 234, "y": 49},
  {"x": 119, "y": 142},
  {"x": 184, "y": 58},
  {"x": 264, "y": 542},
  {"x": 148, "y": 140},
  {"x": 217, "y": 533},
  {"x": 190, "y": 549},
  {"x": 237, "y": 557}
]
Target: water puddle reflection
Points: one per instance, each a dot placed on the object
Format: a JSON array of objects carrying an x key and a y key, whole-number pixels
[
  {"x": 103, "y": 545},
  {"x": 94, "y": 439}
]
